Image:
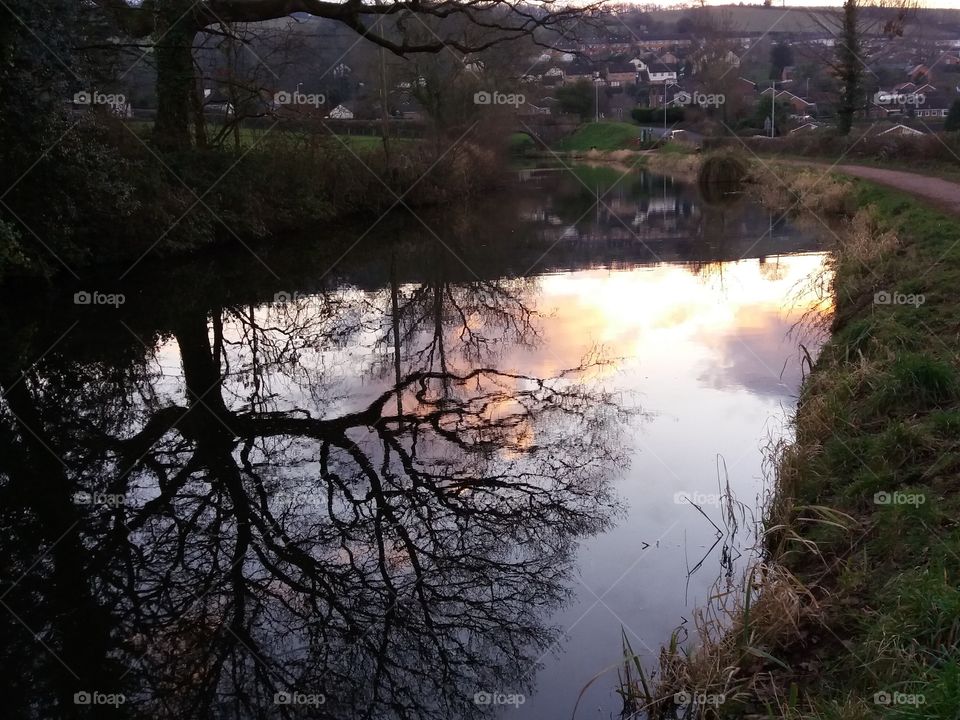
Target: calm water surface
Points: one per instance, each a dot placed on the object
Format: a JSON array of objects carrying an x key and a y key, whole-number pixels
[{"x": 428, "y": 469}]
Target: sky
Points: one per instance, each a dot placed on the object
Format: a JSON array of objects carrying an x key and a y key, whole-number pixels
[{"x": 949, "y": 4}]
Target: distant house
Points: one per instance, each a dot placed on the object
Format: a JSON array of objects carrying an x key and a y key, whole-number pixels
[
  {"x": 620, "y": 74},
  {"x": 217, "y": 104},
  {"x": 657, "y": 74},
  {"x": 341, "y": 112},
  {"x": 907, "y": 87},
  {"x": 900, "y": 130},
  {"x": 884, "y": 111},
  {"x": 744, "y": 88},
  {"x": 580, "y": 71},
  {"x": 923, "y": 101},
  {"x": 731, "y": 59},
  {"x": 797, "y": 104},
  {"x": 935, "y": 106}
]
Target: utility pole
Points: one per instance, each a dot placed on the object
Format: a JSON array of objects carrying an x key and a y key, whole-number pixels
[
  {"x": 596, "y": 99},
  {"x": 773, "y": 105},
  {"x": 664, "y": 108}
]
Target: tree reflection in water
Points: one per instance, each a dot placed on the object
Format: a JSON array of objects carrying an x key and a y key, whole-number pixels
[{"x": 249, "y": 534}]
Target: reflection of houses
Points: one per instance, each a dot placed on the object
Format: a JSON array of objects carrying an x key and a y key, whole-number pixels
[
  {"x": 645, "y": 219},
  {"x": 661, "y": 218}
]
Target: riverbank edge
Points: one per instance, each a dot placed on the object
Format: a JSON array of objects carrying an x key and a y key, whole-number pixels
[
  {"x": 133, "y": 201},
  {"x": 678, "y": 161},
  {"x": 853, "y": 610}
]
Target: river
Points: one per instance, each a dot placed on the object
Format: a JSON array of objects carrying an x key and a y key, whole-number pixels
[{"x": 431, "y": 467}]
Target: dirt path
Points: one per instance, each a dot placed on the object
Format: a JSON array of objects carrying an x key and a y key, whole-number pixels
[{"x": 942, "y": 193}]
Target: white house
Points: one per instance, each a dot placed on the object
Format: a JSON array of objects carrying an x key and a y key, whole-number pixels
[
  {"x": 341, "y": 112},
  {"x": 662, "y": 76}
]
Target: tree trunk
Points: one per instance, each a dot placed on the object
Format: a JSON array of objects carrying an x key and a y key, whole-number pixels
[
  {"x": 176, "y": 82},
  {"x": 199, "y": 120}
]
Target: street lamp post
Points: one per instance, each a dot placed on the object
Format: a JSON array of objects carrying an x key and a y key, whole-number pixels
[
  {"x": 665, "y": 86},
  {"x": 664, "y": 108}
]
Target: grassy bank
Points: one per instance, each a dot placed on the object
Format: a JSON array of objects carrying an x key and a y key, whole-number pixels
[
  {"x": 103, "y": 197},
  {"x": 603, "y": 136},
  {"x": 854, "y": 611},
  {"x": 937, "y": 155}
]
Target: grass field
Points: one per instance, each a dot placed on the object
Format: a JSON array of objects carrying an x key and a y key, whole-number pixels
[{"x": 601, "y": 136}]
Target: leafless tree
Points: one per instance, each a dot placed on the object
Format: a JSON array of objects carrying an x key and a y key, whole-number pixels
[
  {"x": 858, "y": 31},
  {"x": 466, "y": 26}
]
